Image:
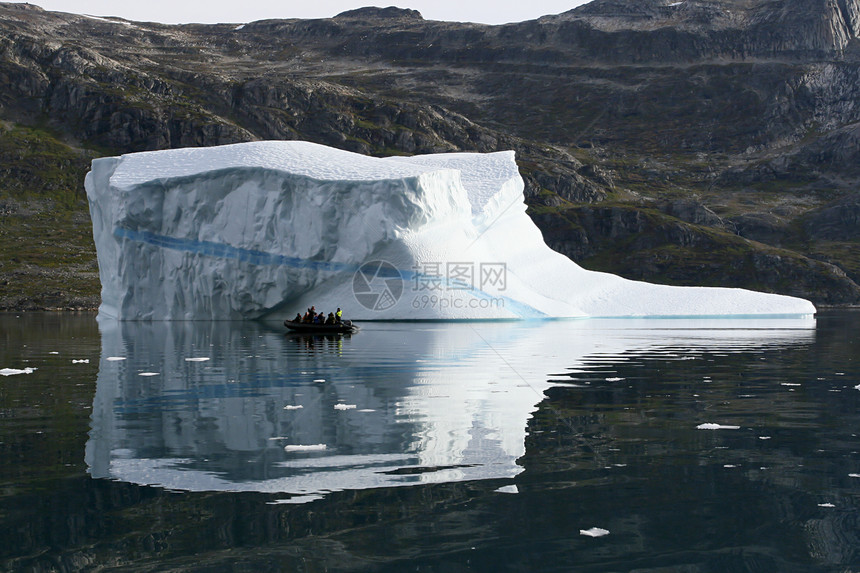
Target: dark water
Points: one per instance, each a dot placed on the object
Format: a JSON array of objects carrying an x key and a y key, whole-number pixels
[{"x": 646, "y": 445}]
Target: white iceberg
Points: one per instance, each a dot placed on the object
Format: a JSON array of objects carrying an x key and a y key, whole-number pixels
[{"x": 270, "y": 228}]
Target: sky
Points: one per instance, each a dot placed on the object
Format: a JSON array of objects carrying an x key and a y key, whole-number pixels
[{"x": 215, "y": 11}]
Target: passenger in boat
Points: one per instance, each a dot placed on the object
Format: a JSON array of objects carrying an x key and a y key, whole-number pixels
[
  {"x": 338, "y": 315},
  {"x": 330, "y": 318},
  {"x": 320, "y": 319},
  {"x": 298, "y": 317}
]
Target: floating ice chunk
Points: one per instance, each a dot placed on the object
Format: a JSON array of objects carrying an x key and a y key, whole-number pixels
[
  {"x": 508, "y": 489},
  {"x": 789, "y": 384},
  {"x": 711, "y": 426},
  {"x": 319, "y": 380},
  {"x": 291, "y": 407},
  {"x": 197, "y": 359},
  {"x": 307, "y": 448},
  {"x": 295, "y": 500},
  {"x": 81, "y": 361},
  {"x": 235, "y": 231},
  {"x": 826, "y": 505},
  {"x": 614, "y": 379},
  {"x": 115, "y": 358},
  {"x": 149, "y": 374},
  {"x": 53, "y": 352},
  {"x": 594, "y": 532},
  {"x": 344, "y": 406},
  {"x": 854, "y": 475},
  {"x": 14, "y": 371},
  {"x": 764, "y": 437}
]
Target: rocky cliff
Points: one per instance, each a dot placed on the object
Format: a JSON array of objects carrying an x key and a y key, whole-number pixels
[{"x": 697, "y": 142}]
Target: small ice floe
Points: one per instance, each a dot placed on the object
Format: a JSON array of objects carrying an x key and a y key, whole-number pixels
[
  {"x": 53, "y": 352},
  {"x": 709, "y": 426},
  {"x": 839, "y": 373},
  {"x": 14, "y": 371},
  {"x": 854, "y": 475},
  {"x": 730, "y": 465},
  {"x": 614, "y": 379},
  {"x": 826, "y": 505},
  {"x": 307, "y": 448},
  {"x": 344, "y": 406},
  {"x": 291, "y": 407},
  {"x": 789, "y": 384},
  {"x": 508, "y": 489},
  {"x": 594, "y": 532},
  {"x": 149, "y": 374},
  {"x": 764, "y": 437},
  {"x": 295, "y": 500},
  {"x": 319, "y": 380},
  {"x": 366, "y": 410},
  {"x": 81, "y": 361},
  {"x": 197, "y": 359},
  {"x": 857, "y": 387},
  {"x": 279, "y": 438},
  {"x": 115, "y": 358}
]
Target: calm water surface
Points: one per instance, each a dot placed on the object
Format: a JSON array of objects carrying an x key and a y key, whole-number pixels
[{"x": 592, "y": 445}]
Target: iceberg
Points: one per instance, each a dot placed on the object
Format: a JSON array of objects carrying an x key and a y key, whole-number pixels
[{"x": 267, "y": 229}]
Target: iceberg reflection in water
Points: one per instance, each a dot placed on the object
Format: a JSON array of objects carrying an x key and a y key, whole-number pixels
[{"x": 224, "y": 406}]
